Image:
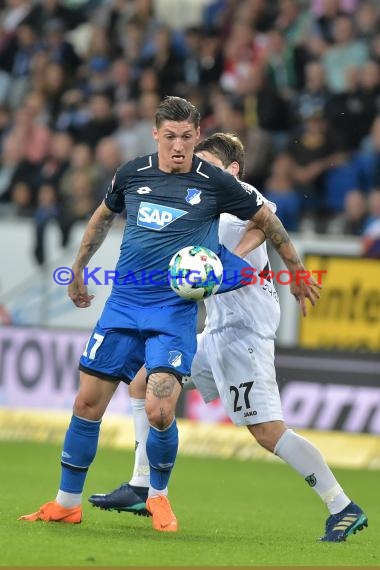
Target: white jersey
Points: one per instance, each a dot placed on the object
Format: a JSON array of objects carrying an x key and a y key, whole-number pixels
[
  {"x": 254, "y": 306},
  {"x": 235, "y": 355}
]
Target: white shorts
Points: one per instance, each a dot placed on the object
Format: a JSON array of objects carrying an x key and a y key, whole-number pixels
[{"x": 238, "y": 366}]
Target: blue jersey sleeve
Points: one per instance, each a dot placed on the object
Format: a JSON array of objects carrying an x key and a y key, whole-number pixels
[
  {"x": 114, "y": 199},
  {"x": 237, "y": 199}
]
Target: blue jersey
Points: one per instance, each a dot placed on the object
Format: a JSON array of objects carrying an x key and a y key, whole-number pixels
[{"x": 165, "y": 212}]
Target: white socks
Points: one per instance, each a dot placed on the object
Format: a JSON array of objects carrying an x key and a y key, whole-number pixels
[
  {"x": 155, "y": 493},
  {"x": 300, "y": 454},
  {"x": 68, "y": 500},
  {"x": 140, "y": 477}
]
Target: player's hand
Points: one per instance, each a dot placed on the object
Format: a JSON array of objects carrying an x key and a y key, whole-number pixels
[
  {"x": 77, "y": 291},
  {"x": 303, "y": 290}
]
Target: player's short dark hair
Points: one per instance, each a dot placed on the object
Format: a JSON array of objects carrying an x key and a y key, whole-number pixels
[
  {"x": 177, "y": 109},
  {"x": 225, "y": 146}
]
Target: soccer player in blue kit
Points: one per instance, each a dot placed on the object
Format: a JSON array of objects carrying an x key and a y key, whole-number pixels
[{"x": 172, "y": 199}]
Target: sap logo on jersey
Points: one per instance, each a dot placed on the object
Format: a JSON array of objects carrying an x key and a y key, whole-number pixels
[{"x": 156, "y": 216}]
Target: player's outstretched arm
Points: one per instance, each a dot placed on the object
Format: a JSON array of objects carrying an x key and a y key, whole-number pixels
[
  {"x": 275, "y": 232},
  {"x": 94, "y": 235},
  {"x": 256, "y": 235}
]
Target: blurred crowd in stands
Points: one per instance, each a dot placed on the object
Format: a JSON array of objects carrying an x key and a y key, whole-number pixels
[{"x": 298, "y": 81}]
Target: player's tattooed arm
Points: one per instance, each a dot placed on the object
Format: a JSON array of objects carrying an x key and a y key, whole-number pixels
[
  {"x": 273, "y": 230},
  {"x": 302, "y": 285},
  {"x": 94, "y": 235}
]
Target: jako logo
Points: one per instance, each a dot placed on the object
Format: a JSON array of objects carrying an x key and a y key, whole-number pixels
[{"x": 156, "y": 217}]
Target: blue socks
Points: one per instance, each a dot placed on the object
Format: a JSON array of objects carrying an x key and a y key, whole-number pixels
[
  {"x": 79, "y": 449},
  {"x": 161, "y": 449}
]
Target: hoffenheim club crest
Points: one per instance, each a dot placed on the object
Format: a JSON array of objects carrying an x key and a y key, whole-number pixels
[
  {"x": 175, "y": 358},
  {"x": 193, "y": 196}
]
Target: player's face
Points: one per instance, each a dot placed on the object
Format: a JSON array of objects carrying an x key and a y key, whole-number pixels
[{"x": 176, "y": 142}]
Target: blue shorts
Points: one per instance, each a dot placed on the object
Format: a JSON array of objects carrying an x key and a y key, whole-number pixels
[{"x": 126, "y": 338}]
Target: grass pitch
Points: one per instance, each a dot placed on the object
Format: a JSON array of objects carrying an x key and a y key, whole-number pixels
[{"x": 231, "y": 513}]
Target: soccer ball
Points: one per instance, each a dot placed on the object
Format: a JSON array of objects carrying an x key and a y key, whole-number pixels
[{"x": 195, "y": 272}]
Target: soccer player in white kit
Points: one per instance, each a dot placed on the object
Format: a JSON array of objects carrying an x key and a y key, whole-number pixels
[
  {"x": 235, "y": 361},
  {"x": 235, "y": 352}
]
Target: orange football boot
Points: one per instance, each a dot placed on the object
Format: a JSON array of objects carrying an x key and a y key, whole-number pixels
[
  {"x": 162, "y": 515},
  {"x": 53, "y": 512}
]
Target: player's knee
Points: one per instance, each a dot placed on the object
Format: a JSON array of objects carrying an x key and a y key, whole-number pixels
[
  {"x": 265, "y": 439},
  {"x": 267, "y": 434},
  {"x": 86, "y": 409},
  {"x": 159, "y": 417}
]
